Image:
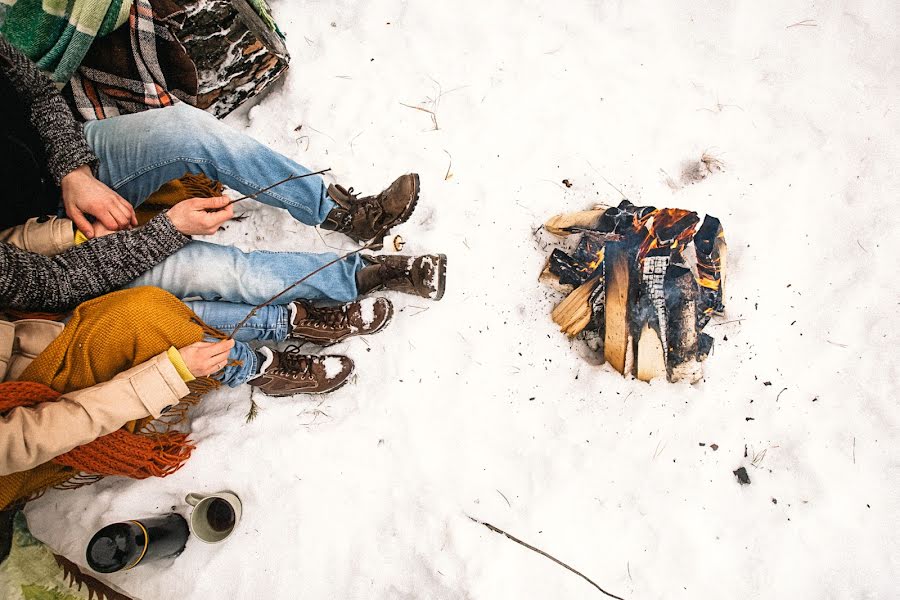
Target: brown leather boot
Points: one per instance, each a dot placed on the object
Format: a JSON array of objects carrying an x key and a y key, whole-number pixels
[
  {"x": 328, "y": 325},
  {"x": 291, "y": 372},
  {"x": 423, "y": 276},
  {"x": 363, "y": 218}
]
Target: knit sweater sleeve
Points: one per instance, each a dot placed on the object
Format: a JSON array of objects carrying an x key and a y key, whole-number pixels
[
  {"x": 32, "y": 282},
  {"x": 63, "y": 139}
]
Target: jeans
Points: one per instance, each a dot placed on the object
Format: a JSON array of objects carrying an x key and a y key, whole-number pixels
[
  {"x": 213, "y": 272},
  {"x": 270, "y": 323},
  {"x": 140, "y": 152}
]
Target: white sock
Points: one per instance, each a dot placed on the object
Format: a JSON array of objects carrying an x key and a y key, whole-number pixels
[
  {"x": 292, "y": 309},
  {"x": 268, "y": 357}
]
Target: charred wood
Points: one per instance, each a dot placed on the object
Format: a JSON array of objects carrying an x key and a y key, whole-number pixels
[
  {"x": 681, "y": 311},
  {"x": 710, "y": 247},
  {"x": 567, "y": 269}
]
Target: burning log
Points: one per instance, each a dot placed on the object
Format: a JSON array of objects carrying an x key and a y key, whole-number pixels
[
  {"x": 649, "y": 326},
  {"x": 711, "y": 254},
  {"x": 681, "y": 307},
  {"x": 632, "y": 285},
  {"x": 567, "y": 269}
]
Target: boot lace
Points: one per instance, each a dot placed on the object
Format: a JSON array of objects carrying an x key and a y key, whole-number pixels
[
  {"x": 294, "y": 364},
  {"x": 369, "y": 206},
  {"x": 329, "y": 317}
]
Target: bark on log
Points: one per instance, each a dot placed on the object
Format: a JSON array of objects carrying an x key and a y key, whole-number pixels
[{"x": 236, "y": 54}]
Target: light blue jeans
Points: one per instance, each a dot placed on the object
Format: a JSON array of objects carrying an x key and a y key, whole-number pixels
[
  {"x": 270, "y": 323},
  {"x": 140, "y": 152}
]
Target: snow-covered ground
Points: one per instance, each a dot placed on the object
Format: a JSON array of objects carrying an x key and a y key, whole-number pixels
[{"x": 477, "y": 406}]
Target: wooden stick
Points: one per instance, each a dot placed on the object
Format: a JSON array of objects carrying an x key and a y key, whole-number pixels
[
  {"x": 249, "y": 316},
  {"x": 542, "y": 553},
  {"x": 277, "y": 183}
]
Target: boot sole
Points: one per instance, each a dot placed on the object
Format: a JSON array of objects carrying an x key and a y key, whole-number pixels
[
  {"x": 334, "y": 389},
  {"x": 404, "y": 216},
  {"x": 442, "y": 277}
]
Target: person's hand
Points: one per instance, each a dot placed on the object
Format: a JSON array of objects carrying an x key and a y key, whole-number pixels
[
  {"x": 83, "y": 194},
  {"x": 100, "y": 229},
  {"x": 193, "y": 216},
  {"x": 205, "y": 358}
]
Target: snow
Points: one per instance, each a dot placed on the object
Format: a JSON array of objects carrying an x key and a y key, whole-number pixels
[
  {"x": 367, "y": 311},
  {"x": 477, "y": 405},
  {"x": 333, "y": 367}
]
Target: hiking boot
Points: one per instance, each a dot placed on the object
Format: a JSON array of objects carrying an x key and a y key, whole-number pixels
[
  {"x": 423, "y": 276},
  {"x": 362, "y": 219},
  {"x": 289, "y": 372},
  {"x": 331, "y": 324}
]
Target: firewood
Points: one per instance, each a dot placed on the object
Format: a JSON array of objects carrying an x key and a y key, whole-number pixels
[
  {"x": 567, "y": 269},
  {"x": 617, "y": 278},
  {"x": 574, "y": 313},
  {"x": 549, "y": 279},
  {"x": 681, "y": 311},
  {"x": 711, "y": 252},
  {"x": 653, "y": 279},
  {"x": 560, "y": 225},
  {"x": 651, "y": 362}
]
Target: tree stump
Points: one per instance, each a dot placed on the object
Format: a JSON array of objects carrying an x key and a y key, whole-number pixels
[{"x": 236, "y": 54}]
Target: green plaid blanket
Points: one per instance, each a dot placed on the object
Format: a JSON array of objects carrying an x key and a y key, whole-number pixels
[{"x": 56, "y": 34}]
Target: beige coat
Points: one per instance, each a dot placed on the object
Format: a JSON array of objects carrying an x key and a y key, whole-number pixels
[{"x": 32, "y": 436}]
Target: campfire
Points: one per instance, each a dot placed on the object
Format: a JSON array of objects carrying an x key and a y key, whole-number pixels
[{"x": 641, "y": 284}]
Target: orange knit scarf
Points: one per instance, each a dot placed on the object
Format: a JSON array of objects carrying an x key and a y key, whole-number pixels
[
  {"x": 118, "y": 453},
  {"x": 104, "y": 337}
]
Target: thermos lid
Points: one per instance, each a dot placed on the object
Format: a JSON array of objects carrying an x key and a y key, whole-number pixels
[{"x": 107, "y": 550}]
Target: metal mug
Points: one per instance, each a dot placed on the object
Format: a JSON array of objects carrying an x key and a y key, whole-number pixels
[{"x": 199, "y": 520}]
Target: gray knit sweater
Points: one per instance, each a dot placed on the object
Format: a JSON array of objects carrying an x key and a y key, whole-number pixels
[
  {"x": 50, "y": 115},
  {"x": 40, "y": 283},
  {"x": 58, "y": 283}
]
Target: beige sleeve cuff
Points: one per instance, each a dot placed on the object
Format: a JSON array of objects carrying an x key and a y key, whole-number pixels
[{"x": 48, "y": 235}]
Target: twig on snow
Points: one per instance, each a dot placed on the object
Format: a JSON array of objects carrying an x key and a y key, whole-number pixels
[
  {"x": 448, "y": 174},
  {"x": 544, "y": 554},
  {"x": 434, "y": 120}
]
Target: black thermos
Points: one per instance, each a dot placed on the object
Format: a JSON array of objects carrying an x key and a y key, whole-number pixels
[{"x": 121, "y": 546}]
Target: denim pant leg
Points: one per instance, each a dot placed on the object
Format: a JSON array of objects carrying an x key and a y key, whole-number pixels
[
  {"x": 243, "y": 364},
  {"x": 270, "y": 323},
  {"x": 213, "y": 272},
  {"x": 141, "y": 151}
]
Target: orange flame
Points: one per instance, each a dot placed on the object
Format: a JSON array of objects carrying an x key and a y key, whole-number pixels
[
  {"x": 596, "y": 262},
  {"x": 658, "y": 223}
]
